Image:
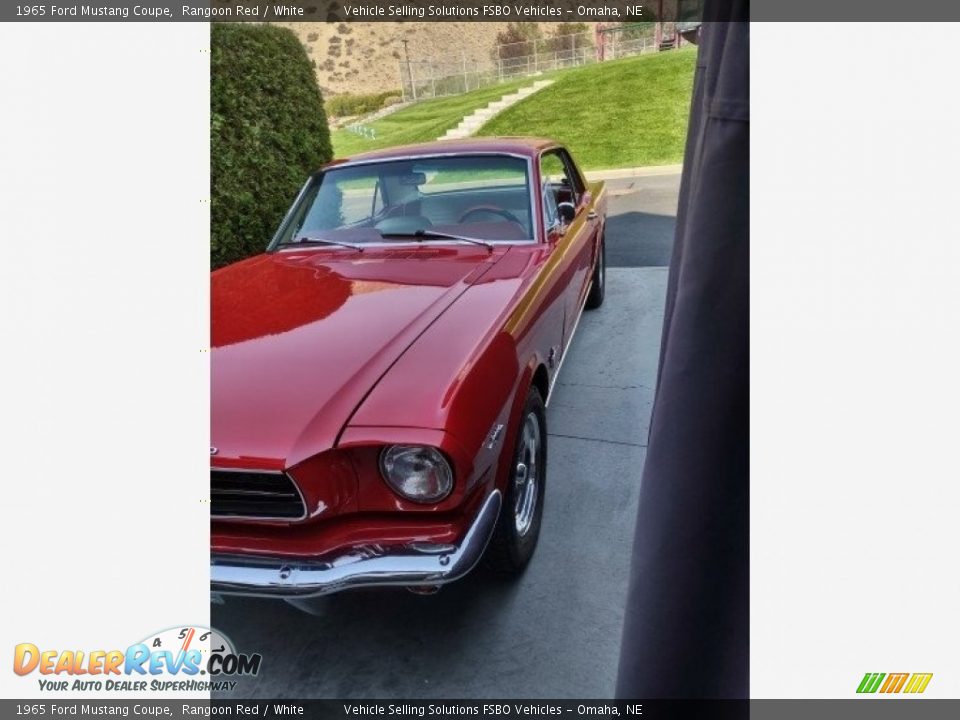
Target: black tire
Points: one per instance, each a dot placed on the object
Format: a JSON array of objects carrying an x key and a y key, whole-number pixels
[
  {"x": 599, "y": 287},
  {"x": 516, "y": 533}
]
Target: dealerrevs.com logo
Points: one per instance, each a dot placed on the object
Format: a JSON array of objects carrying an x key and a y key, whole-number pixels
[
  {"x": 180, "y": 659},
  {"x": 911, "y": 683}
]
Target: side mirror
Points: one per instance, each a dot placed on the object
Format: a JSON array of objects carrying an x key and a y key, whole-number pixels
[{"x": 567, "y": 212}]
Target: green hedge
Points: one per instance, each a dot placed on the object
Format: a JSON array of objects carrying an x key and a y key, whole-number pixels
[
  {"x": 348, "y": 104},
  {"x": 268, "y": 132}
]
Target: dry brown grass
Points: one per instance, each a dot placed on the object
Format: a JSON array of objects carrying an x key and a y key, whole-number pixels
[{"x": 363, "y": 57}]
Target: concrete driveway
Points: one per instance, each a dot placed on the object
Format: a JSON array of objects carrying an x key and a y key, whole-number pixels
[{"x": 555, "y": 632}]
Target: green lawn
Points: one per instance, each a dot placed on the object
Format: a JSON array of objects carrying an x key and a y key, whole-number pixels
[
  {"x": 622, "y": 113},
  {"x": 423, "y": 121}
]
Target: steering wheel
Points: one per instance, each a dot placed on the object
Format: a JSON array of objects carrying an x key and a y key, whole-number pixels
[{"x": 492, "y": 209}]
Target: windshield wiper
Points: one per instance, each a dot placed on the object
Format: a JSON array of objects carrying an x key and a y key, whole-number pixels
[
  {"x": 422, "y": 235},
  {"x": 321, "y": 241}
]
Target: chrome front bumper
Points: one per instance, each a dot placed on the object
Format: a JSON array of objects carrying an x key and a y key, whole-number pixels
[{"x": 416, "y": 564}]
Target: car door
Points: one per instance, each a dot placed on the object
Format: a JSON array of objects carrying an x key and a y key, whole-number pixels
[{"x": 574, "y": 240}]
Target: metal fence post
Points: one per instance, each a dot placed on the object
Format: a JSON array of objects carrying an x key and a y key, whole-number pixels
[{"x": 413, "y": 85}]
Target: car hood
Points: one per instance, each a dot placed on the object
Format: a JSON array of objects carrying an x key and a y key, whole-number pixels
[{"x": 299, "y": 338}]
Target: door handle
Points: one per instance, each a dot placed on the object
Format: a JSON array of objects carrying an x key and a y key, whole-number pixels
[{"x": 592, "y": 215}]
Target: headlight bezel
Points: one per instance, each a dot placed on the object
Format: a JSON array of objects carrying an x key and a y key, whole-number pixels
[{"x": 391, "y": 455}]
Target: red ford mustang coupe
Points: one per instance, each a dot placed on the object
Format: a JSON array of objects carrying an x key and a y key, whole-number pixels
[{"x": 380, "y": 373}]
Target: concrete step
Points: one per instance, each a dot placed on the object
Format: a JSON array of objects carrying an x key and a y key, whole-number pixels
[{"x": 478, "y": 118}]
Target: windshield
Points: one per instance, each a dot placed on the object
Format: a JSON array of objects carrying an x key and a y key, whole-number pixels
[{"x": 485, "y": 197}]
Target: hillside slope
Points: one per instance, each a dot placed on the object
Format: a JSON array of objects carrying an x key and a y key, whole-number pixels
[
  {"x": 363, "y": 57},
  {"x": 622, "y": 113},
  {"x": 422, "y": 121}
]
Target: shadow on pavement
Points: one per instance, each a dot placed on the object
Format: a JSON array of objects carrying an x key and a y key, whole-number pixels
[{"x": 639, "y": 239}]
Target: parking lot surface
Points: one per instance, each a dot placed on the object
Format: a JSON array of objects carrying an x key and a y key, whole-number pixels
[{"x": 554, "y": 632}]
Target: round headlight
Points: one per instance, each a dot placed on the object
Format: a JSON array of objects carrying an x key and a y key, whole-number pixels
[{"x": 417, "y": 472}]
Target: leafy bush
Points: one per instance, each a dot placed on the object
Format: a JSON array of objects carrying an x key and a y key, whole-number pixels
[
  {"x": 569, "y": 36},
  {"x": 268, "y": 132},
  {"x": 348, "y": 104},
  {"x": 518, "y": 39},
  {"x": 638, "y": 30}
]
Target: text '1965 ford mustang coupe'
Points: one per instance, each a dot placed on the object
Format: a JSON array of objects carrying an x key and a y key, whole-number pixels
[{"x": 380, "y": 373}]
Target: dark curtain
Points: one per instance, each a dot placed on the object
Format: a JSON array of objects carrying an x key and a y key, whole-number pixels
[{"x": 686, "y": 632}]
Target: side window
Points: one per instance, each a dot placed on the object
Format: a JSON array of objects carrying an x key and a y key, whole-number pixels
[
  {"x": 552, "y": 167},
  {"x": 551, "y": 216},
  {"x": 573, "y": 177},
  {"x": 559, "y": 184}
]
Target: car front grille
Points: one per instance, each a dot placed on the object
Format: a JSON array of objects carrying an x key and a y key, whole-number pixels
[{"x": 255, "y": 496}]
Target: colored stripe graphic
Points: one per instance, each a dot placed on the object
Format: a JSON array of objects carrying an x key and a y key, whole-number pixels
[
  {"x": 918, "y": 682},
  {"x": 870, "y": 682},
  {"x": 894, "y": 683}
]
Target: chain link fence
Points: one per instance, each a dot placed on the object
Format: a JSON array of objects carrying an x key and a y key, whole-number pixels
[{"x": 422, "y": 79}]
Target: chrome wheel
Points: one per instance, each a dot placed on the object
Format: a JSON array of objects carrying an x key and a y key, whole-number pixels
[
  {"x": 526, "y": 475},
  {"x": 515, "y": 537}
]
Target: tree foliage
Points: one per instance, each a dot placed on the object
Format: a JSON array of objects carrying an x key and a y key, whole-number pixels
[
  {"x": 518, "y": 39},
  {"x": 349, "y": 104},
  {"x": 268, "y": 132},
  {"x": 638, "y": 30},
  {"x": 570, "y": 36}
]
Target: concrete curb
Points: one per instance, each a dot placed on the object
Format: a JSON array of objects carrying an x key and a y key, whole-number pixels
[{"x": 619, "y": 173}]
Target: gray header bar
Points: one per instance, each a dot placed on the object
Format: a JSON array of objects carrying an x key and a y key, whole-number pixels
[
  {"x": 874, "y": 708},
  {"x": 474, "y": 11},
  {"x": 864, "y": 708},
  {"x": 356, "y": 11}
]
